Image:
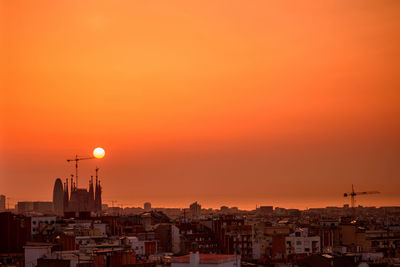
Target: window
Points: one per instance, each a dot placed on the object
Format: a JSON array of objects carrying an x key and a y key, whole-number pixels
[{"x": 298, "y": 243}]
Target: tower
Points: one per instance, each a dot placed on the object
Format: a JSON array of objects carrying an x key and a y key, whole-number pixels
[
  {"x": 66, "y": 195},
  {"x": 58, "y": 197},
  {"x": 91, "y": 195},
  {"x": 97, "y": 199}
]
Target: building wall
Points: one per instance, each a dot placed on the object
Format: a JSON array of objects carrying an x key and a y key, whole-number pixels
[
  {"x": 225, "y": 264},
  {"x": 347, "y": 234},
  {"x": 2, "y": 202},
  {"x": 33, "y": 253},
  {"x": 277, "y": 230},
  {"x": 163, "y": 233},
  {"x": 15, "y": 231},
  {"x": 53, "y": 263},
  {"x": 300, "y": 244},
  {"x": 137, "y": 245},
  {"x": 36, "y": 206},
  {"x": 175, "y": 239},
  {"x": 278, "y": 247},
  {"x": 43, "y": 225}
]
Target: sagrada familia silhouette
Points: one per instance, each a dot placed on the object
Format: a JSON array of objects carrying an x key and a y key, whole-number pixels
[{"x": 73, "y": 199}]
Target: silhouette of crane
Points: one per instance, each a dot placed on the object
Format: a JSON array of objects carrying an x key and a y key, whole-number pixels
[
  {"x": 77, "y": 159},
  {"x": 353, "y": 194}
]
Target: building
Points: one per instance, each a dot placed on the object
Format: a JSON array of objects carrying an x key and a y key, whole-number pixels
[
  {"x": 2, "y": 203},
  {"x": 35, "y": 206},
  {"x": 300, "y": 243},
  {"x": 195, "y": 209},
  {"x": 265, "y": 210},
  {"x": 15, "y": 231},
  {"x": 79, "y": 200},
  {"x": 58, "y": 198},
  {"x": 195, "y": 236},
  {"x": 166, "y": 233},
  {"x": 233, "y": 236},
  {"x": 147, "y": 206},
  {"x": 34, "y": 251},
  {"x": 206, "y": 260},
  {"x": 143, "y": 248},
  {"x": 43, "y": 225}
]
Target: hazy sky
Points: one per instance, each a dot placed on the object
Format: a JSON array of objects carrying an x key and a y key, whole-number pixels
[{"x": 282, "y": 103}]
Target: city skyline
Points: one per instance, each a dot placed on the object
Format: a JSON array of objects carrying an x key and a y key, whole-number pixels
[
  {"x": 277, "y": 104},
  {"x": 66, "y": 183}
]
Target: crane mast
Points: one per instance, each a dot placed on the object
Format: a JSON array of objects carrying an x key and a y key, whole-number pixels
[
  {"x": 353, "y": 194},
  {"x": 77, "y": 159}
]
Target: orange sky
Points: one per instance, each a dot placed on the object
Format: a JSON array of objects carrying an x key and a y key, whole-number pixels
[{"x": 224, "y": 102}]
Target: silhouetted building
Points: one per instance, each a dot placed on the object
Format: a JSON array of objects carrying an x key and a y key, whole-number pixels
[
  {"x": 15, "y": 231},
  {"x": 35, "y": 206},
  {"x": 265, "y": 210},
  {"x": 195, "y": 209},
  {"x": 147, "y": 206},
  {"x": 81, "y": 200},
  {"x": 58, "y": 197},
  {"x": 2, "y": 202}
]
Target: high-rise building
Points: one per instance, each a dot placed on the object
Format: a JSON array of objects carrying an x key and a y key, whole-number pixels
[
  {"x": 58, "y": 197},
  {"x": 2, "y": 202}
]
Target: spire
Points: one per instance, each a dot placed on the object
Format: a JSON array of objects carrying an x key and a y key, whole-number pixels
[
  {"x": 91, "y": 195},
  {"x": 72, "y": 183},
  {"x": 66, "y": 195},
  {"x": 97, "y": 198},
  {"x": 66, "y": 188}
]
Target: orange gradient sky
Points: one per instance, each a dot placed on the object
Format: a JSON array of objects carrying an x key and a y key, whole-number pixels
[{"x": 225, "y": 102}]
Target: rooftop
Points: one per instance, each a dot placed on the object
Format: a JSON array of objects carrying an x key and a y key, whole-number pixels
[{"x": 207, "y": 258}]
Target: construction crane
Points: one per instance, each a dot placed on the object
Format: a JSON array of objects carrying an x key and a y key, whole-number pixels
[
  {"x": 353, "y": 194},
  {"x": 77, "y": 159}
]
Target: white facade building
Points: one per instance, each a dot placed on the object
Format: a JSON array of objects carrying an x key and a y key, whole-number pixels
[
  {"x": 43, "y": 225},
  {"x": 137, "y": 245},
  {"x": 175, "y": 239},
  {"x": 34, "y": 251},
  {"x": 299, "y": 242}
]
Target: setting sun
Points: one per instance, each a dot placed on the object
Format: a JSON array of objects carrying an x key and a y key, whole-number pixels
[{"x": 99, "y": 152}]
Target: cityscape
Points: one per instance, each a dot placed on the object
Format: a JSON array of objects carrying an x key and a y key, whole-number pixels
[
  {"x": 77, "y": 229},
  {"x": 200, "y": 133}
]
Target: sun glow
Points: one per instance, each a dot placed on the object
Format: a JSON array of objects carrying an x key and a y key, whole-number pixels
[{"x": 99, "y": 152}]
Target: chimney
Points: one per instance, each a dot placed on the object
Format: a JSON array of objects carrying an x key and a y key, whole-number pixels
[{"x": 194, "y": 259}]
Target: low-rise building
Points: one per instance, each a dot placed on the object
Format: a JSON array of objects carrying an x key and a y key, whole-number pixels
[
  {"x": 300, "y": 243},
  {"x": 206, "y": 260}
]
